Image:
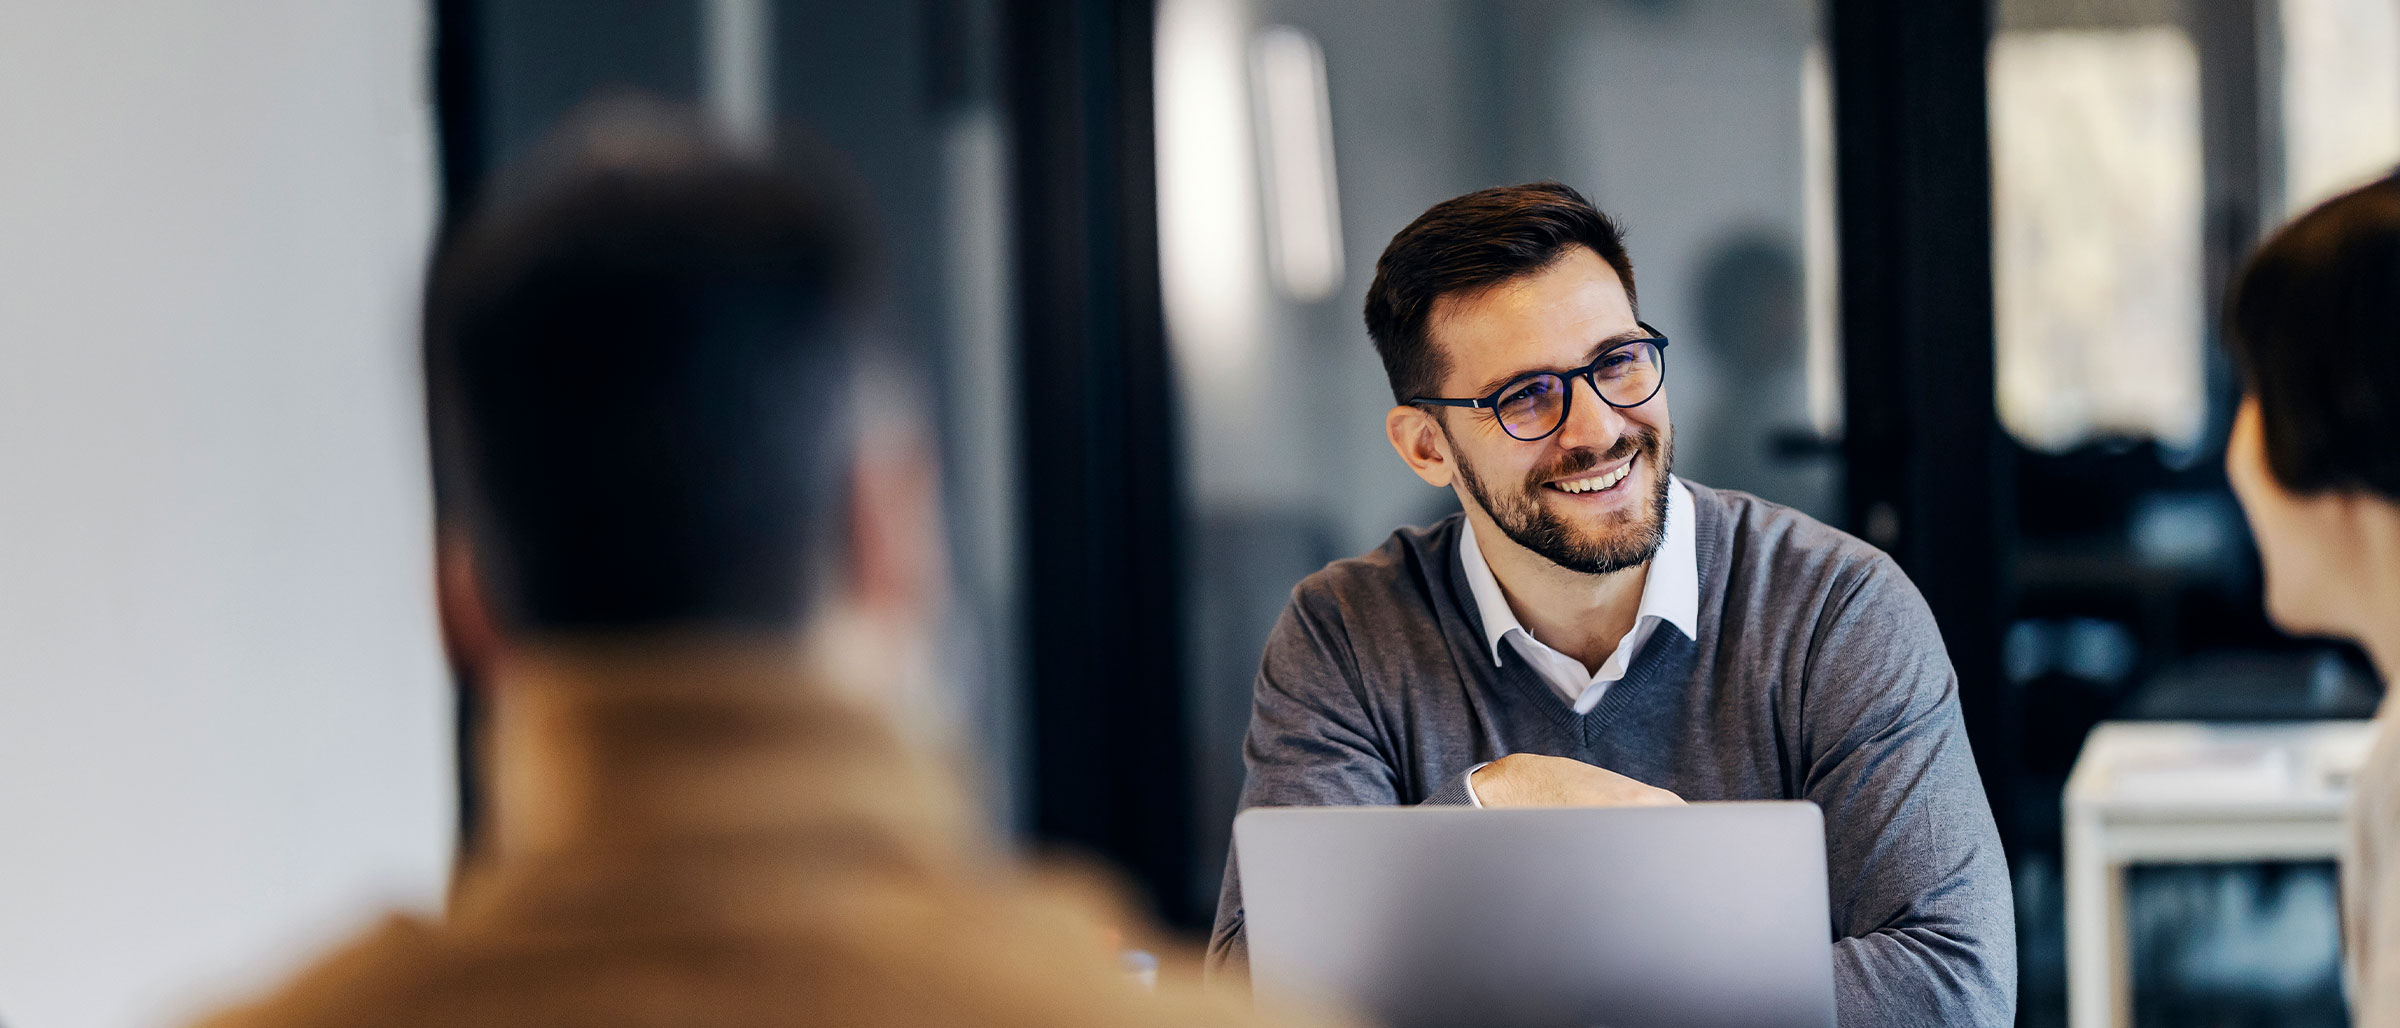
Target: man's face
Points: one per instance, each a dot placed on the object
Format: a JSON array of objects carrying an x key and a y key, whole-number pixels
[{"x": 1540, "y": 494}]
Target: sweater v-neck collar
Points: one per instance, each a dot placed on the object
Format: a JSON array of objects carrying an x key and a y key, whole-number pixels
[
  {"x": 1666, "y": 652},
  {"x": 1670, "y": 596}
]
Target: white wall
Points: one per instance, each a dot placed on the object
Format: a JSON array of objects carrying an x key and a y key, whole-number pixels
[{"x": 222, "y": 712}]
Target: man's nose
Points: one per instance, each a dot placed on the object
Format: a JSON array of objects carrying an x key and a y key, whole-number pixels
[{"x": 1590, "y": 420}]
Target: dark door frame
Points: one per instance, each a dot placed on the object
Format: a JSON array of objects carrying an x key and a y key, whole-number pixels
[
  {"x": 1105, "y": 676},
  {"x": 1929, "y": 479}
]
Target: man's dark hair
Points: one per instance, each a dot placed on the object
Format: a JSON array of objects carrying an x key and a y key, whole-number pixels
[
  {"x": 2314, "y": 324},
  {"x": 1467, "y": 244},
  {"x": 638, "y": 382}
]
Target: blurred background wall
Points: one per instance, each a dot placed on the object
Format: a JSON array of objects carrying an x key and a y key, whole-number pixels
[{"x": 224, "y": 723}]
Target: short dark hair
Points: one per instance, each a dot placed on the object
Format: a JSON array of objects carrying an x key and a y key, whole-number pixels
[
  {"x": 2313, "y": 321},
  {"x": 638, "y": 382},
  {"x": 1470, "y": 243}
]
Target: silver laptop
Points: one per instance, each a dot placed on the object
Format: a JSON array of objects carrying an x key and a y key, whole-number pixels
[{"x": 1648, "y": 917}]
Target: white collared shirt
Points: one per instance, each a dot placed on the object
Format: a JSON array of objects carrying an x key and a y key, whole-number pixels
[{"x": 1670, "y": 594}]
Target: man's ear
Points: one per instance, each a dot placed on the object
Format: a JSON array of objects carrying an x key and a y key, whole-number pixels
[
  {"x": 470, "y": 633},
  {"x": 895, "y": 558},
  {"x": 1421, "y": 442}
]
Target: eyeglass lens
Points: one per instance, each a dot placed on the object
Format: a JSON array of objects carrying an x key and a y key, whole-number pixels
[{"x": 1625, "y": 377}]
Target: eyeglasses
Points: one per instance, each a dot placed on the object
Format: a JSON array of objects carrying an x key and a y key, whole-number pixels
[{"x": 1533, "y": 405}]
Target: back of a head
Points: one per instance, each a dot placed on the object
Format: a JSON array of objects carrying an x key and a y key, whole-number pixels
[
  {"x": 2314, "y": 322},
  {"x": 638, "y": 364}
]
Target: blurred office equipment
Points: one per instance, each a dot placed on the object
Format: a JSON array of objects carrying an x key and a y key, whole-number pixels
[{"x": 2191, "y": 793}]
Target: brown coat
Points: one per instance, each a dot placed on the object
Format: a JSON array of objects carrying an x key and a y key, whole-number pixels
[{"x": 743, "y": 857}]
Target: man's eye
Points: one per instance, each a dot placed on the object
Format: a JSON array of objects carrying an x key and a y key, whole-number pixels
[{"x": 1616, "y": 364}]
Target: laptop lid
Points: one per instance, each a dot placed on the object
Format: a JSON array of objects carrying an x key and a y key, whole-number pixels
[{"x": 1658, "y": 917}]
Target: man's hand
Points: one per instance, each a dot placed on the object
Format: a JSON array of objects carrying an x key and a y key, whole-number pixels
[{"x": 1532, "y": 780}]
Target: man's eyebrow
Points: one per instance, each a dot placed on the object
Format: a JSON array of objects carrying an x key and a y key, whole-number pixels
[
  {"x": 1618, "y": 339},
  {"x": 1491, "y": 386}
]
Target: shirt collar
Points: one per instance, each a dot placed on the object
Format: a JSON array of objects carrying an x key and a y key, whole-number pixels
[{"x": 1670, "y": 585}]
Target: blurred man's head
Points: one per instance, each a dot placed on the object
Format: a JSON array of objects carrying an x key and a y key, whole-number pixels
[
  {"x": 641, "y": 363},
  {"x": 2314, "y": 323},
  {"x": 1475, "y": 300}
]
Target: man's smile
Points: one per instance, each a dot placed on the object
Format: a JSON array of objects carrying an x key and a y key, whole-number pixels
[{"x": 1596, "y": 481}]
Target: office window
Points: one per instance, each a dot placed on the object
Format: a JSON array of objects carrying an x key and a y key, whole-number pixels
[
  {"x": 2096, "y": 180},
  {"x": 2341, "y": 96}
]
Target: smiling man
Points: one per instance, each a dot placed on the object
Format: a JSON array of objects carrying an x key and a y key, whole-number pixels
[{"x": 1590, "y": 630}]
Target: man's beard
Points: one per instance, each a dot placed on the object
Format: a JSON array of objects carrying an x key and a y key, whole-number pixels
[{"x": 1628, "y": 541}]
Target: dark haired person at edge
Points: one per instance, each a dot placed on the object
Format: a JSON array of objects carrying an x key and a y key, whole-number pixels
[
  {"x": 2314, "y": 323},
  {"x": 681, "y": 555},
  {"x": 1590, "y": 630}
]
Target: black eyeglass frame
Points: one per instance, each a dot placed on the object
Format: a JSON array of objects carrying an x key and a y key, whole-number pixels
[{"x": 1566, "y": 407}]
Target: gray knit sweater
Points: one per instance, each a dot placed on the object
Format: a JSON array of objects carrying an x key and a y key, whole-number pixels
[{"x": 1818, "y": 674}]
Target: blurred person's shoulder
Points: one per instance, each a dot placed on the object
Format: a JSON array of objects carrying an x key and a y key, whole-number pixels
[
  {"x": 843, "y": 919},
  {"x": 1002, "y": 953},
  {"x": 374, "y": 979}
]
